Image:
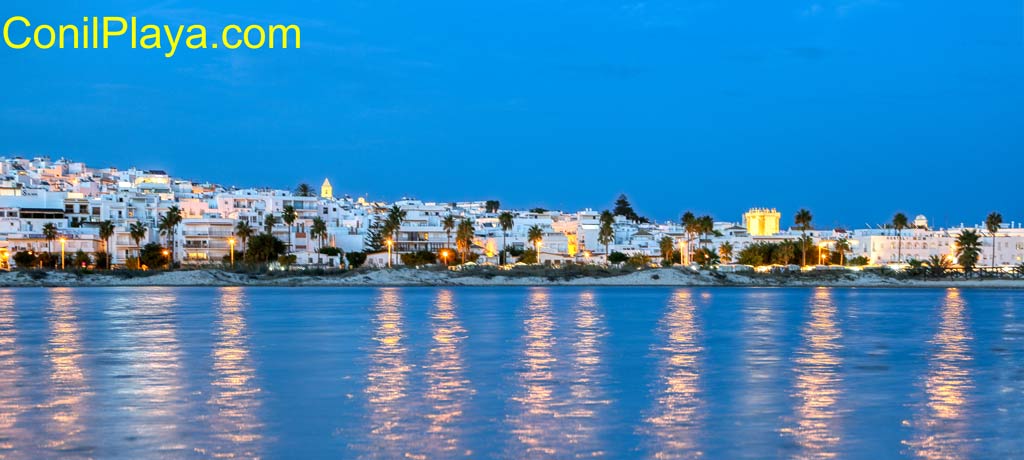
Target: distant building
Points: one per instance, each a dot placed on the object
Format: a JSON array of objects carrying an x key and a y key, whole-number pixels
[
  {"x": 762, "y": 221},
  {"x": 326, "y": 190}
]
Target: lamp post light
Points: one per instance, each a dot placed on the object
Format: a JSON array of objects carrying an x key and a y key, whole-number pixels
[
  {"x": 167, "y": 253},
  {"x": 390, "y": 244},
  {"x": 444, "y": 257},
  {"x": 231, "y": 241},
  {"x": 63, "y": 243}
]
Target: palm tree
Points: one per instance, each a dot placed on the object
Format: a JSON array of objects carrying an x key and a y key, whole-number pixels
[
  {"x": 50, "y": 233},
  {"x": 666, "y": 245},
  {"x": 842, "y": 246},
  {"x": 288, "y": 215},
  {"x": 106, "y": 231},
  {"x": 803, "y": 222},
  {"x": 968, "y": 247},
  {"x": 137, "y": 231},
  {"x": 304, "y": 190},
  {"x": 992, "y": 223},
  {"x": 937, "y": 265},
  {"x": 899, "y": 222},
  {"x": 268, "y": 224},
  {"x": 244, "y": 231},
  {"x": 725, "y": 252},
  {"x": 606, "y": 234},
  {"x": 168, "y": 224},
  {"x": 506, "y": 222},
  {"x": 448, "y": 224},
  {"x": 464, "y": 237},
  {"x": 318, "y": 230},
  {"x": 706, "y": 226},
  {"x": 691, "y": 226},
  {"x": 535, "y": 236}
]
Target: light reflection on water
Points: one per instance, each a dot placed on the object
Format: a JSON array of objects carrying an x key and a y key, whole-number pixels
[
  {"x": 510, "y": 373},
  {"x": 68, "y": 391},
  {"x": 234, "y": 399},
  {"x": 447, "y": 389},
  {"x": 13, "y": 402},
  {"x": 674, "y": 425},
  {"x": 388, "y": 381},
  {"x": 150, "y": 385},
  {"x": 942, "y": 424},
  {"x": 817, "y": 430},
  {"x": 535, "y": 423}
]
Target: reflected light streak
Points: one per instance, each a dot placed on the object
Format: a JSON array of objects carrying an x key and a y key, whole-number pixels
[
  {"x": 388, "y": 383},
  {"x": 536, "y": 425},
  {"x": 586, "y": 401},
  {"x": 941, "y": 427},
  {"x": 12, "y": 401},
  {"x": 818, "y": 381},
  {"x": 447, "y": 387},
  {"x": 68, "y": 390},
  {"x": 675, "y": 422},
  {"x": 234, "y": 397}
]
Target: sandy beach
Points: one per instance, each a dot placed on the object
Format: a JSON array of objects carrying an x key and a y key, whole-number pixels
[{"x": 413, "y": 277}]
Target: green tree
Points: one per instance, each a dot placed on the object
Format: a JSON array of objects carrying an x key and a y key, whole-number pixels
[
  {"x": 106, "y": 231},
  {"x": 842, "y": 246},
  {"x": 992, "y": 224},
  {"x": 667, "y": 245},
  {"x": 937, "y": 265},
  {"x": 725, "y": 252},
  {"x": 706, "y": 258},
  {"x": 264, "y": 248},
  {"x": 244, "y": 231},
  {"x": 535, "y": 235},
  {"x": 691, "y": 226},
  {"x": 448, "y": 224},
  {"x": 492, "y": 206},
  {"x": 137, "y": 231},
  {"x": 899, "y": 222},
  {"x": 784, "y": 253},
  {"x": 168, "y": 225},
  {"x": 968, "y": 249},
  {"x": 152, "y": 256},
  {"x": 318, "y": 231},
  {"x": 464, "y": 237},
  {"x": 803, "y": 223},
  {"x": 705, "y": 225},
  {"x": 617, "y": 258},
  {"x": 506, "y": 221},
  {"x": 81, "y": 259},
  {"x": 268, "y": 224},
  {"x": 606, "y": 233},
  {"x": 288, "y": 215},
  {"x": 304, "y": 190},
  {"x": 50, "y": 233},
  {"x": 374, "y": 241},
  {"x": 625, "y": 209}
]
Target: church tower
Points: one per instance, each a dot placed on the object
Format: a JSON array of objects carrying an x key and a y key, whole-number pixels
[{"x": 326, "y": 191}]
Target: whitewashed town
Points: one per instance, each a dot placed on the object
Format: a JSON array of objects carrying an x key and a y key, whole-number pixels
[{"x": 63, "y": 213}]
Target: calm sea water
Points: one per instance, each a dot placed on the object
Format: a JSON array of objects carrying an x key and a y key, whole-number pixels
[{"x": 511, "y": 373}]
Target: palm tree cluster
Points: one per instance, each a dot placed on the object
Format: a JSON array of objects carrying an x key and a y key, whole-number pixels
[
  {"x": 535, "y": 235},
  {"x": 505, "y": 220}
]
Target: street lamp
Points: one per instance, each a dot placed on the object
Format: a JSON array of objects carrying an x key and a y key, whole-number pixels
[
  {"x": 390, "y": 244},
  {"x": 167, "y": 253},
  {"x": 63, "y": 243},
  {"x": 231, "y": 241},
  {"x": 444, "y": 256}
]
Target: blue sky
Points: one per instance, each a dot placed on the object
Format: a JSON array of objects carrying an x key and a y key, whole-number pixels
[{"x": 853, "y": 109}]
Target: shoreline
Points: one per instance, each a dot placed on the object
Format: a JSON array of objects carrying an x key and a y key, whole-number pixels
[{"x": 661, "y": 277}]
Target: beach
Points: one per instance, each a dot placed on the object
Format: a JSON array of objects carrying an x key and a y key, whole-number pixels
[{"x": 414, "y": 277}]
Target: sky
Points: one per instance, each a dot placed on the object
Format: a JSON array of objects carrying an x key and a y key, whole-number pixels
[{"x": 853, "y": 109}]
